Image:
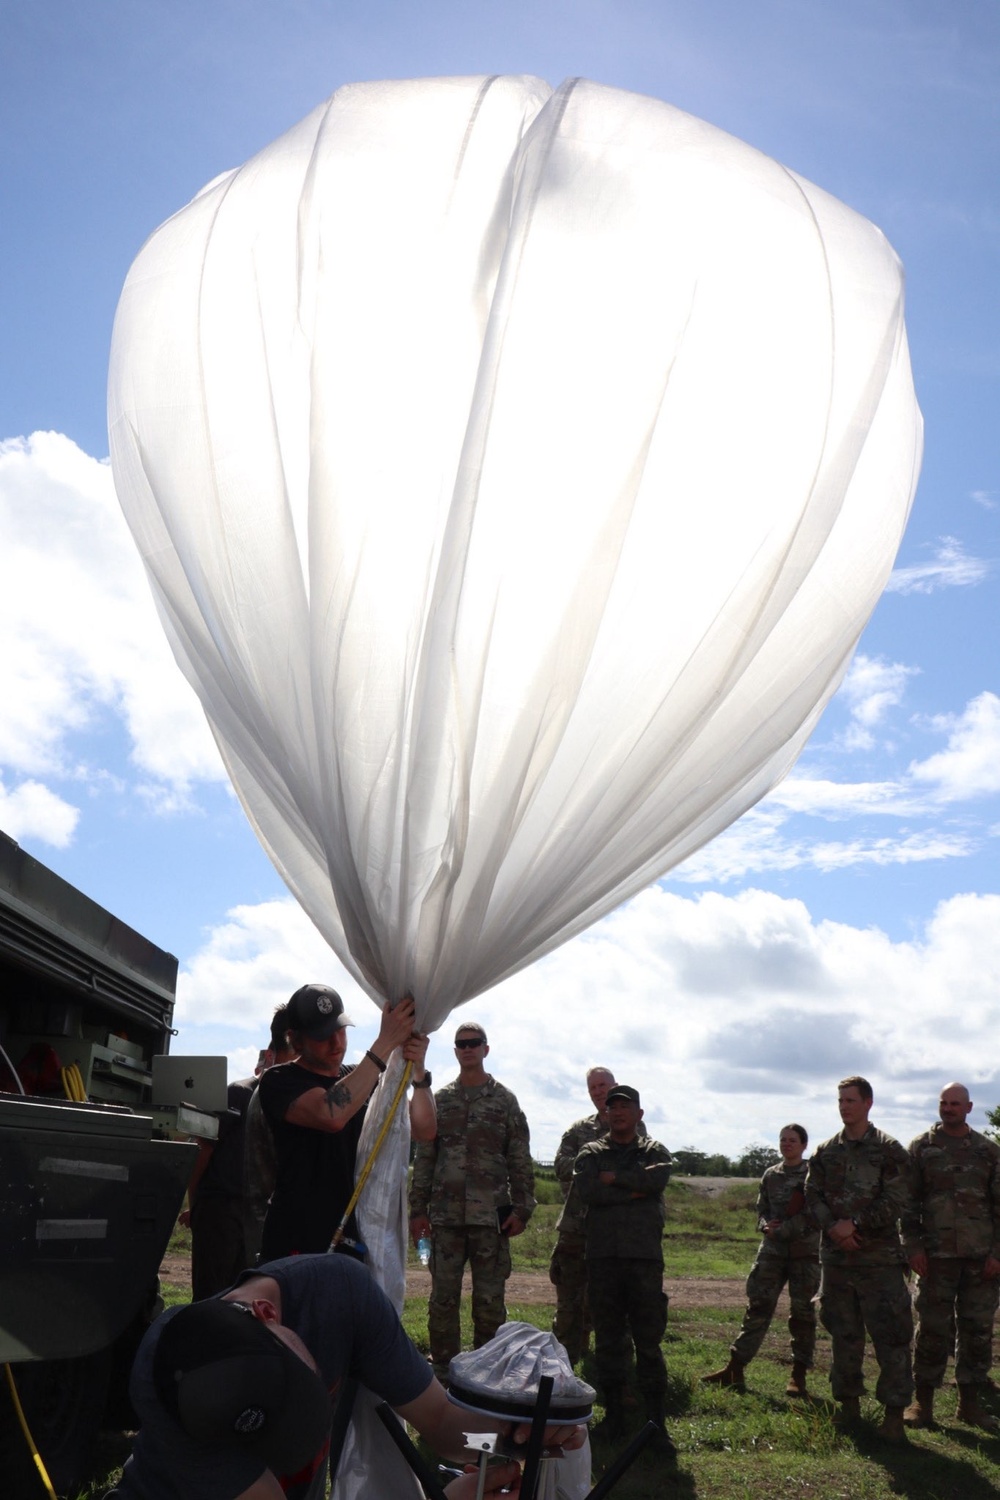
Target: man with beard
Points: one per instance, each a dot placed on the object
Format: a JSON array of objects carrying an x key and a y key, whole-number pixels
[{"x": 315, "y": 1107}]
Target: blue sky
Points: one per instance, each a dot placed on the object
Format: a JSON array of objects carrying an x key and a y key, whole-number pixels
[{"x": 852, "y": 920}]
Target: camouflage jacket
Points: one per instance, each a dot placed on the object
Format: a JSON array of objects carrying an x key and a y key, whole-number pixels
[
  {"x": 955, "y": 1209},
  {"x": 625, "y": 1218},
  {"x": 782, "y": 1196},
  {"x": 572, "y": 1222},
  {"x": 479, "y": 1160},
  {"x": 867, "y": 1181}
]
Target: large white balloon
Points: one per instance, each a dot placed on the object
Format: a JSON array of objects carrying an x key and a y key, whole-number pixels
[{"x": 515, "y": 471}]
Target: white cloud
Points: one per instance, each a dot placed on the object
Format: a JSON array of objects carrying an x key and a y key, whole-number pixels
[
  {"x": 31, "y": 811},
  {"x": 255, "y": 960},
  {"x": 78, "y": 629},
  {"x": 767, "y": 838},
  {"x": 970, "y": 764},
  {"x": 986, "y": 498},
  {"x": 914, "y": 848},
  {"x": 871, "y": 688},
  {"x": 951, "y": 567},
  {"x": 758, "y": 843},
  {"x": 838, "y": 799},
  {"x": 730, "y": 1014}
]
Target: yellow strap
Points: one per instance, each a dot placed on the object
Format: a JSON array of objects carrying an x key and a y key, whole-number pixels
[
  {"x": 365, "y": 1172},
  {"x": 27, "y": 1433}
]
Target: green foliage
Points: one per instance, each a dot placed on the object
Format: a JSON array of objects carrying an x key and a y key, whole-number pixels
[
  {"x": 690, "y": 1162},
  {"x": 755, "y": 1160},
  {"x": 531, "y": 1250},
  {"x": 548, "y": 1188},
  {"x": 993, "y": 1115},
  {"x": 180, "y": 1241}
]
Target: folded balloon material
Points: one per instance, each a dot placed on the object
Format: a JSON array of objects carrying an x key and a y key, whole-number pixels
[{"x": 501, "y": 1378}]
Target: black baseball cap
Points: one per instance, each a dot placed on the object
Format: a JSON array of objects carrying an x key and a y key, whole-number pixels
[
  {"x": 623, "y": 1091},
  {"x": 232, "y": 1383},
  {"x": 317, "y": 1012}
]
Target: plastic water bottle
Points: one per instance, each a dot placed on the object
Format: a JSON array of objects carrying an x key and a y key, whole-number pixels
[{"x": 424, "y": 1251}]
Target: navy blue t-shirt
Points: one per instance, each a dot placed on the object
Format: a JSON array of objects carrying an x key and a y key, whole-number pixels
[{"x": 349, "y": 1326}]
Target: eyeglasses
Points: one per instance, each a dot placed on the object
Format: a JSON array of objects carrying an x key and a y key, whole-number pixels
[{"x": 470, "y": 1041}]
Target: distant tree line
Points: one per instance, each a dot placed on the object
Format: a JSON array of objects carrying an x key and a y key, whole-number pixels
[
  {"x": 753, "y": 1162},
  {"x": 688, "y": 1162}
]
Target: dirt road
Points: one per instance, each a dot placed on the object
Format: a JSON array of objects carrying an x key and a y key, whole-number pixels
[
  {"x": 535, "y": 1288},
  {"x": 528, "y": 1287}
]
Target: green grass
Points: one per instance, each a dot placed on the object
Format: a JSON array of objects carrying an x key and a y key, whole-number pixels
[
  {"x": 763, "y": 1446},
  {"x": 758, "y": 1446},
  {"x": 710, "y": 1237}
]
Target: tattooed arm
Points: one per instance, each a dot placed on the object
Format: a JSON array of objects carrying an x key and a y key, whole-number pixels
[{"x": 330, "y": 1107}]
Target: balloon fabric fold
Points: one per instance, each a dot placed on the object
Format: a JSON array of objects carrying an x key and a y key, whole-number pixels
[{"x": 515, "y": 471}]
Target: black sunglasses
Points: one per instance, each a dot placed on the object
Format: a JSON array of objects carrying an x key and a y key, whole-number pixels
[{"x": 470, "y": 1041}]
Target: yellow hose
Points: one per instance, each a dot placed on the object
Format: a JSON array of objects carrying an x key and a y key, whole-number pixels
[
  {"x": 72, "y": 1081},
  {"x": 27, "y": 1434},
  {"x": 365, "y": 1172}
]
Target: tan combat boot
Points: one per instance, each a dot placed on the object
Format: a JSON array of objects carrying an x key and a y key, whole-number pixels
[
  {"x": 892, "y": 1429},
  {"x": 731, "y": 1374},
  {"x": 921, "y": 1413},
  {"x": 797, "y": 1380},
  {"x": 971, "y": 1410}
]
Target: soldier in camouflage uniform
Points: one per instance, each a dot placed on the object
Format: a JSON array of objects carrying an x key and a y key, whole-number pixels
[
  {"x": 473, "y": 1188},
  {"x": 620, "y": 1178},
  {"x": 857, "y": 1190},
  {"x": 568, "y": 1266},
  {"x": 951, "y": 1235},
  {"x": 789, "y": 1255}
]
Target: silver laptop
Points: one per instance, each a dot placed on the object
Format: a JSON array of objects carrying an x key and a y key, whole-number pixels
[{"x": 197, "y": 1081}]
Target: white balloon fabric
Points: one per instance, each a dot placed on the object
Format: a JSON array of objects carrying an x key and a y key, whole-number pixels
[{"x": 515, "y": 471}]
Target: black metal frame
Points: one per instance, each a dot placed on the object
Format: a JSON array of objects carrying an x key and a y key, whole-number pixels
[{"x": 434, "y": 1490}]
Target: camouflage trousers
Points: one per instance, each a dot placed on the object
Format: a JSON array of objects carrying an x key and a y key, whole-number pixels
[
  {"x": 954, "y": 1298},
  {"x": 768, "y": 1275},
  {"x": 488, "y": 1256},
  {"x": 568, "y": 1274},
  {"x": 876, "y": 1299},
  {"x": 627, "y": 1296}
]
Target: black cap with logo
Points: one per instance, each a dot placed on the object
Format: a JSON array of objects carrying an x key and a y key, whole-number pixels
[
  {"x": 317, "y": 1012},
  {"x": 232, "y": 1383}
]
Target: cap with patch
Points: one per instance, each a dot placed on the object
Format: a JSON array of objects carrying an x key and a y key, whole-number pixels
[
  {"x": 623, "y": 1091},
  {"x": 317, "y": 1012},
  {"x": 231, "y": 1383}
]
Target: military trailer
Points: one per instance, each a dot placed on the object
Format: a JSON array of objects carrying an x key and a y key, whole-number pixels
[{"x": 91, "y": 1177}]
